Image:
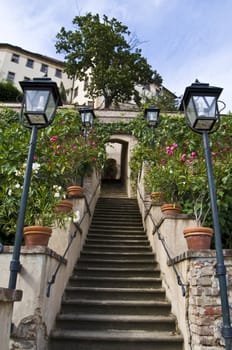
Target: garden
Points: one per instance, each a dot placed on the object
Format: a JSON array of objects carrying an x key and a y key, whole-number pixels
[
  {"x": 176, "y": 168},
  {"x": 65, "y": 154}
]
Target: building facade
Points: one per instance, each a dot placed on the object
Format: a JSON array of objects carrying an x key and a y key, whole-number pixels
[{"x": 17, "y": 64}]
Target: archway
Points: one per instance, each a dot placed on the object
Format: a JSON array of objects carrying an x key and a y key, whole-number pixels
[{"x": 117, "y": 171}]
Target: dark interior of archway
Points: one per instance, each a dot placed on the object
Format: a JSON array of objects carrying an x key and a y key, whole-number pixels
[{"x": 112, "y": 183}]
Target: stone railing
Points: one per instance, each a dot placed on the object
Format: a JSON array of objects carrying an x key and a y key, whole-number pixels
[
  {"x": 198, "y": 312},
  {"x": 34, "y": 317}
]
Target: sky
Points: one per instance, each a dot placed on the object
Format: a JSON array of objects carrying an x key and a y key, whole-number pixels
[{"x": 183, "y": 40}]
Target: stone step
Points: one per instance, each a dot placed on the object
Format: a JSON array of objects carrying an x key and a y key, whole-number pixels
[
  {"x": 88, "y": 248},
  {"x": 112, "y": 322},
  {"x": 117, "y": 228},
  {"x": 99, "y": 240},
  {"x": 121, "y": 256},
  {"x": 119, "y": 271},
  {"x": 114, "y": 293},
  {"x": 116, "y": 263},
  {"x": 116, "y": 237},
  {"x": 116, "y": 307},
  {"x": 108, "y": 231},
  {"x": 119, "y": 282},
  {"x": 115, "y": 340}
]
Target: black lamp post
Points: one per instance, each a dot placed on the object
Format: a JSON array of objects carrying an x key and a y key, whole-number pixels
[
  {"x": 201, "y": 109},
  {"x": 40, "y": 101},
  {"x": 87, "y": 117},
  {"x": 151, "y": 115}
]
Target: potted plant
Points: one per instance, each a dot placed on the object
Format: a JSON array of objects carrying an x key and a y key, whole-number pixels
[
  {"x": 41, "y": 210},
  {"x": 161, "y": 177},
  {"x": 193, "y": 187},
  {"x": 74, "y": 153}
]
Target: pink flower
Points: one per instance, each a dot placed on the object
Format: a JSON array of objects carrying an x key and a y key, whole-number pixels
[
  {"x": 183, "y": 157},
  {"x": 194, "y": 154},
  {"x": 54, "y": 138},
  {"x": 35, "y": 158},
  {"x": 174, "y": 146},
  {"x": 169, "y": 151},
  {"x": 58, "y": 147}
]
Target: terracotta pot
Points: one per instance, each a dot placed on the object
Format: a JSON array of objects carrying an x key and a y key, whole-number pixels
[
  {"x": 64, "y": 206},
  {"x": 171, "y": 209},
  {"x": 37, "y": 235},
  {"x": 75, "y": 192},
  {"x": 198, "y": 237},
  {"x": 158, "y": 197}
]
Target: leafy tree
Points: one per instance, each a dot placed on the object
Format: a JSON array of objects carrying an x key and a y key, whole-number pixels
[
  {"x": 9, "y": 92},
  {"x": 105, "y": 52},
  {"x": 166, "y": 101}
]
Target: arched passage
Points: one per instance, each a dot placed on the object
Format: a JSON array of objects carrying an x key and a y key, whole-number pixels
[{"x": 118, "y": 155}]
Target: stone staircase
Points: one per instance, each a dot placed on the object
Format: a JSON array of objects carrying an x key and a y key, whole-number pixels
[{"x": 114, "y": 300}]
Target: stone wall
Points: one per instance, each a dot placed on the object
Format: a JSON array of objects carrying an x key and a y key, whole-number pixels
[
  {"x": 34, "y": 317},
  {"x": 199, "y": 311}
]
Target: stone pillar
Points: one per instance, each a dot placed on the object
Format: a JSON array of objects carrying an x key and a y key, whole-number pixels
[{"x": 7, "y": 299}]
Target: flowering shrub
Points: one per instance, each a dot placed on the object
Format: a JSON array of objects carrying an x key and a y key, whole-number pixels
[
  {"x": 63, "y": 154},
  {"x": 177, "y": 167}
]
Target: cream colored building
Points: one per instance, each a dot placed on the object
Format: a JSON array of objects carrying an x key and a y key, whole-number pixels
[{"x": 17, "y": 64}]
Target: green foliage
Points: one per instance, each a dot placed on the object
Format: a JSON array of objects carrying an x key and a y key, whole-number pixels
[
  {"x": 165, "y": 101},
  {"x": 9, "y": 93},
  {"x": 63, "y": 154},
  {"x": 177, "y": 166},
  {"x": 105, "y": 52}
]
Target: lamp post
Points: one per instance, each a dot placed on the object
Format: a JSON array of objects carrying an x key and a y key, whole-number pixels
[
  {"x": 87, "y": 118},
  {"x": 40, "y": 101},
  {"x": 201, "y": 110},
  {"x": 151, "y": 115}
]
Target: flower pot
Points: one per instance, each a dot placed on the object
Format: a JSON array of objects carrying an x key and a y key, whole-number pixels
[
  {"x": 158, "y": 197},
  {"x": 37, "y": 235},
  {"x": 75, "y": 192},
  {"x": 198, "y": 237},
  {"x": 64, "y": 206},
  {"x": 171, "y": 209}
]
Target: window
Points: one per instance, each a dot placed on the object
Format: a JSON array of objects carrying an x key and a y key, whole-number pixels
[
  {"x": 58, "y": 73},
  {"x": 44, "y": 68},
  {"x": 30, "y": 63},
  {"x": 76, "y": 91},
  {"x": 15, "y": 58},
  {"x": 11, "y": 76},
  {"x": 27, "y": 78},
  {"x": 86, "y": 83}
]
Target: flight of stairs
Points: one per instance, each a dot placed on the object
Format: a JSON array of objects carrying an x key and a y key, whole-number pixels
[{"x": 114, "y": 299}]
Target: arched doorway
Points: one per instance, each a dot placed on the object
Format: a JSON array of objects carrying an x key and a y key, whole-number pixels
[{"x": 117, "y": 172}]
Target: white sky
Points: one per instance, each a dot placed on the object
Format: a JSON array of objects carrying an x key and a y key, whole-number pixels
[{"x": 182, "y": 39}]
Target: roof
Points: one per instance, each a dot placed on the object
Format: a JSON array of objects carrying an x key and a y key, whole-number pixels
[{"x": 33, "y": 54}]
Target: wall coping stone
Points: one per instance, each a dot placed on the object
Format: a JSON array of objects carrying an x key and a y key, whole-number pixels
[
  {"x": 193, "y": 254},
  {"x": 10, "y": 295},
  {"x": 36, "y": 250}
]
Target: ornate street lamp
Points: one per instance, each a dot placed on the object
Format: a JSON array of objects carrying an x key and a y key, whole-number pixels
[
  {"x": 151, "y": 115},
  {"x": 87, "y": 116},
  {"x": 201, "y": 110},
  {"x": 40, "y": 101}
]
